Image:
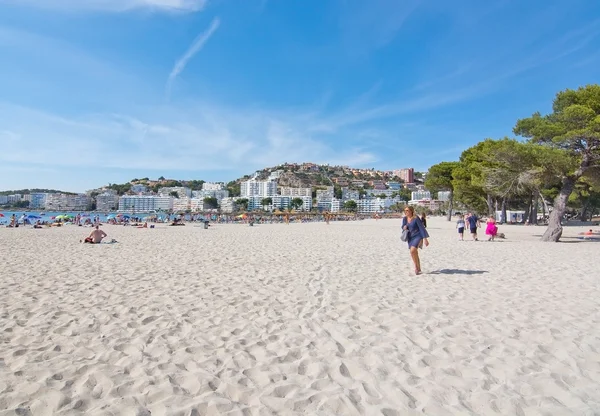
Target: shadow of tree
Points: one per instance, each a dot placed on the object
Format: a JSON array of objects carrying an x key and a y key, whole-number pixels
[{"x": 458, "y": 271}]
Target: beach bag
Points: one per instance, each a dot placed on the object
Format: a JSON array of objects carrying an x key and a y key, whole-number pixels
[{"x": 404, "y": 236}]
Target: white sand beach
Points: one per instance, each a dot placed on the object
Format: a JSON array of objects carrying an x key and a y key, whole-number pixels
[{"x": 305, "y": 319}]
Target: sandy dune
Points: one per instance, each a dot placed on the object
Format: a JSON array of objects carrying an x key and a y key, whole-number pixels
[{"x": 299, "y": 319}]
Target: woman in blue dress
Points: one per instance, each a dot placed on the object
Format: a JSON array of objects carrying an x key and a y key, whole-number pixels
[{"x": 417, "y": 235}]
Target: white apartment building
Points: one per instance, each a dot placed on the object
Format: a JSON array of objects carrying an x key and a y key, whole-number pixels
[
  {"x": 325, "y": 195},
  {"x": 444, "y": 196},
  {"x": 213, "y": 186},
  {"x": 279, "y": 202},
  {"x": 350, "y": 195},
  {"x": 13, "y": 199},
  {"x": 253, "y": 188},
  {"x": 3, "y": 199},
  {"x": 387, "y": 192},
  {"x": 421, "y": 194},
  {"x": 331, "y": 205},
  {"x": 181, "y": 204},
  {"x": 37, "y": 200},
  {"x": 145, "y": 203},
  {"x": 197, "y": 204},
  {"x": 285, "y": 201},
  {"x": 289, "y": 191},
  {"x": 228, "y": 205},
  {"x": 182, "y": 191},
  {"x": 373, "y": 205},
  {"x": 64, "y": 202},
  {"x": 107, "y": 201},
  {"x": 219, "y": 194}
]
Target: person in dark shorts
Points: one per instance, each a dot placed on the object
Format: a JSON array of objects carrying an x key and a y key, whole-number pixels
[
  {"x": 460, "y": 226},
  {"x": 473, "y": 223}
]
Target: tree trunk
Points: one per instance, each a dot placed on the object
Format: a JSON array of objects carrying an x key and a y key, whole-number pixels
[
  {"x": 544, "y": 205},
  {"x": 503, "y": 219},
  {"x": 584, "y": 211},
  {"x": 554, "y": 230},
  {"x": 534, "y": 214},
  {"x": 490, "y": 204},
  {"x": 450, "y": 207}
]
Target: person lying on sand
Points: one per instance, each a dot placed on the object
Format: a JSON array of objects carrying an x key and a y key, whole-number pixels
[{"x": 96, "y": 236}]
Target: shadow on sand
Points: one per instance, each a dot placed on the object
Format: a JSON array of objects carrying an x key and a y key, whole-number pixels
[{"x": 458, "y": 271}]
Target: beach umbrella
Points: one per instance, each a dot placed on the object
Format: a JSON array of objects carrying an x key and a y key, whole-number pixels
[
  {"x": 111, "y": 216},
  {"x": 1, "y": 215},
  {"x": 33, "y": 217}
]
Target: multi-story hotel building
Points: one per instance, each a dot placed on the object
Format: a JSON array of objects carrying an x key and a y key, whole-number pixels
[
  {"x": 145, "y": 203},
  {"x": 79, "y": 202},
  {"x": 288, "y": 191},
  {"x": 213, "y": 186},
  {"x": 254, "y": 188}
]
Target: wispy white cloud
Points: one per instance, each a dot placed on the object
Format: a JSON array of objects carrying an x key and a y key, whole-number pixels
[
  {"x": 111, "y": 5},
  {"x": 194, "y": 48},
  {"x": 206, "y": 138}
]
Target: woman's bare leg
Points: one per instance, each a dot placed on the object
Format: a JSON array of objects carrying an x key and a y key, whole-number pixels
[{"x": 414, "y": 253}]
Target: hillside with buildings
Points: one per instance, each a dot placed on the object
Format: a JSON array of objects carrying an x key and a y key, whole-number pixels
[{"x": 300, "y": 187}]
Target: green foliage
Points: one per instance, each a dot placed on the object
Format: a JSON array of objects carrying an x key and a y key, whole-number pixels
[
  {"x": 296, "y": 203},
  {"x": 195, "y": 185},
  {"x": 337, "y": 191},
  {"x": 174, "y": 194},
  {"x": 35, "y": 191},
  {"x": 211, "y": 202},
  {"x": 121, "y": 189},
  {"x": 439, "y": 177},
  {"x": 234, "y": 188},
  {"x": 266, "y": 201},
  {"x": 242, "y": 204},
  {"x": 350, "y": 206}
]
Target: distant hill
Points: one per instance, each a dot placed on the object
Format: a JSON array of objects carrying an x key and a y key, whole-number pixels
[
  {"x": 311, "y": 175},
  {"x": 34, "y": 191}
]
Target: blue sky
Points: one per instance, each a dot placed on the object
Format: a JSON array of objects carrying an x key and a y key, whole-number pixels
[{"x": 101, "y": 91}]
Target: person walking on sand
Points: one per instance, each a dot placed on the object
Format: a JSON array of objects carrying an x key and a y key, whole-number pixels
[
  {"x": 424, "y": 220},
  {"x": 491, "y": 228},
  {"x": 474, "y": 223},
  {"x": 417, "y": 235},
  {"x": 96, "y": 236},
  {"x": 460, "y": 226}
]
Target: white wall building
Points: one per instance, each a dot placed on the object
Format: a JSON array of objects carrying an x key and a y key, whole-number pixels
[
  {"x": 213, "y": 186},
  {"x": 182, "y": 191},
  {"x": 219, "y": 194},
  {"x": 253, "y": 188},
  {"x": 387, "y": 192},
  {"x": 65, "y": 202},
  {"x": 332, "y": 205},
  {"x": 3, "y": 199},
  {"x": 145, "y": 203},
  {"x": 288, "y": 191},
  {"x": 197, "y": 204},
  {"x": 181, "y": 204},
  {"x": 372, "y": 205},
  {"x": 444, "y": 196},
  {"x": 350, "y": 194},
  {"x": 107, "y": 201},
  {"x": 13, "y": 199},
  {"x": 37, "y": 200},
  {"x": 421, "y": 194},
  {"x": 228, "y": 205}
]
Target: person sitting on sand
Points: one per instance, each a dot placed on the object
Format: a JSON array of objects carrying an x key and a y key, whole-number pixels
[{"x": 96, "y": 236}]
